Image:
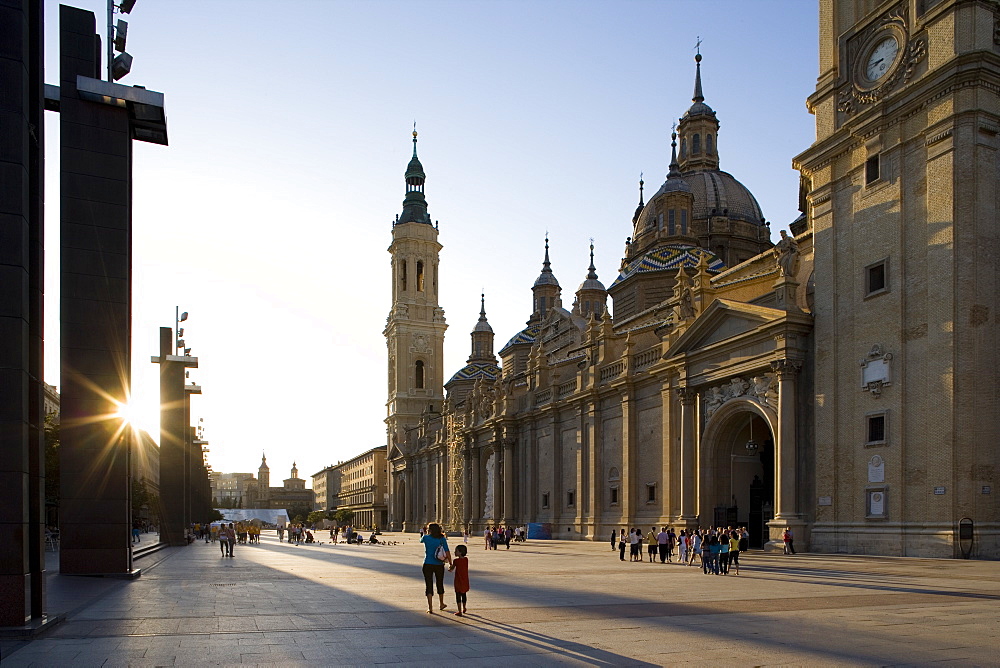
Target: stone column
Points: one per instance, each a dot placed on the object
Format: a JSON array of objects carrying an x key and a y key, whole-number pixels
[
  {"x": 688, "y": 460},
  {"x": 786, "y": 508},
  {"x": 508, "y": 479},
  {"x": 595, "y": 471},
  {"x": 477, "y": 496},
  {"x": 629, "y": 472},
  {"x": 403, "y": 503},
  {"x": 466, "y": 487}
]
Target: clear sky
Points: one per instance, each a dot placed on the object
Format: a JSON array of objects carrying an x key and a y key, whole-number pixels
[{"x": 268, "y": 216}]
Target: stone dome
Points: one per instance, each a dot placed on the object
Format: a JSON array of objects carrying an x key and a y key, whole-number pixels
[
  {"x": 591, "y": 284},
  {"x": 718, "y": 191}
]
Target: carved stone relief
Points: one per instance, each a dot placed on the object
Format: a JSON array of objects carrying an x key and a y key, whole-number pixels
[
  {"x": 762, "y": 388},
  {"x": 875, "y": 368}
]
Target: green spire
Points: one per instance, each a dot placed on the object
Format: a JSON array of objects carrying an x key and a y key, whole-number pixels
[{"x": 414, "y": 204}]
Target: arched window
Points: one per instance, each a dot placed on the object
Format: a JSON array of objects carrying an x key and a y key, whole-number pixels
[
  {"x": 420, "y": 374},
  {"x": 684, "y": 147},
  {"x": 671, "y": 222},
  {"x": 420, "y": 276},
  {"x": 696, "y": 144},
  {"x": 402, "y": 274},
  {"x": 708, "y": 144},
  {"x": 684, "y": 221}
]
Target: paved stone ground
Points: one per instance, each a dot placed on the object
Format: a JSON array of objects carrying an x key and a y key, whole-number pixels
[{"x": 542, "y": 603}]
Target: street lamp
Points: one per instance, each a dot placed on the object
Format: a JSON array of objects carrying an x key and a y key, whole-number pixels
[{"x": 120, "y": 65}]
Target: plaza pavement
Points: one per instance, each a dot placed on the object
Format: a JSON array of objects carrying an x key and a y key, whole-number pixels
[{"x": 541, "y": 603}]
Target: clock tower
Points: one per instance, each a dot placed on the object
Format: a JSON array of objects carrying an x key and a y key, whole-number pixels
[
  {"x": 414, "y": 330},
  {"x": 901, "y": 194}
]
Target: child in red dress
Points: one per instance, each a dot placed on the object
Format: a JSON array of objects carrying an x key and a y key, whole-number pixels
[{"x": 460, "y": 564}]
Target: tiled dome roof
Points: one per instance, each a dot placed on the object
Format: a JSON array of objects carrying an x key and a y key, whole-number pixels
[
  {"x": 477, "y": 370},
  {"x": 526, "y": 335},
  {"x": 668, "y": 258}
]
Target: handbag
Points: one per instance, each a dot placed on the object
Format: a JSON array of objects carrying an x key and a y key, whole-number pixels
[{"x": 440, "y": 554}]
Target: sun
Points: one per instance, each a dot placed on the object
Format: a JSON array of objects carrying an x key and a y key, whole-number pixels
[{"x": 129, "y": 414}]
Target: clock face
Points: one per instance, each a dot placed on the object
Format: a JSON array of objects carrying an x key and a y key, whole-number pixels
[{"x": 881, "y": 58}]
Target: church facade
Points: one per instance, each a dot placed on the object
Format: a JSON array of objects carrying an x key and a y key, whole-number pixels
[{"x": 736, "y": 380}]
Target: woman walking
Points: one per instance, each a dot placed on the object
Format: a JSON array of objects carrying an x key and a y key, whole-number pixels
[{"x": 436, "y": 554}]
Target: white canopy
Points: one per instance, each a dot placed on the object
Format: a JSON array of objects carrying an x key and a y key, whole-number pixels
[{"x": 269, "y": 515}]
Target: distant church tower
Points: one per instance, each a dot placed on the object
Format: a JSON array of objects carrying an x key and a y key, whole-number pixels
[
  {"x": 414, "y": 331},
  {"x": 264, "y": 474}
]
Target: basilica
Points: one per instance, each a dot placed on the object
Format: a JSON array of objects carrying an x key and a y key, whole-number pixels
[{"x": 839, "y": 381}]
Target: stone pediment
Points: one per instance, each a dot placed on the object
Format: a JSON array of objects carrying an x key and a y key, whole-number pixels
[
  {"x": 395, "y": 452},
  {"x": 723, "y": 319}
]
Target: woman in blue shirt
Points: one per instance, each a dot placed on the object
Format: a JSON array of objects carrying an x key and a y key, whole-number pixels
[{"x": 434, "y": 567}]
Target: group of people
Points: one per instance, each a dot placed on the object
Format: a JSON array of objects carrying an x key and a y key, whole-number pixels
[
  {"x": 500, "y": 535},
  {"x": 297, "y": 534},
  {"x": 226, "y": 534},
  {"x": 717, "y": 551}
]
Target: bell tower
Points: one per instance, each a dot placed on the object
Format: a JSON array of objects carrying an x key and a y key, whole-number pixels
[
  {"x": 414, "y": 331},
  {"x": 900, "y": 191}
]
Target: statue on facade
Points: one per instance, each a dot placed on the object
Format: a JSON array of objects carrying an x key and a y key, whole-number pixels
[
  {"x": 786, "y": 251},
  {"x": 687, "y": 306}
]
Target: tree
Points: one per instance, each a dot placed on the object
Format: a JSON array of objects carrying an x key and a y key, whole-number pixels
[
  {"x": 316, "y": 516},
  {"x": 343, "y": 516},
  {"x": 52, "y": 458},
  {"x": 299, "y": 509}
]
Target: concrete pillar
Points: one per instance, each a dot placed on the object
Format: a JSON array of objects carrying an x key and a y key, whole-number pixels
[{"x": 22, "y": 468}]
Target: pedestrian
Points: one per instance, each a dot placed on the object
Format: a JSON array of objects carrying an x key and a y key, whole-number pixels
[
  {"x": 635, "y": 541},
  {"x": 230, "y": 539},
  {"x": 614, "y": 538},
  {"x": 621, "y": 544},
  {"x": 488, "y": 535},
  {"x": 724, "y": 553},
  {"x": 281, "y": 534},
  {"x": 789, "y": 541},
  {"x": 460, "y": 564},
  {"x": 734, "y": 551},
  {"x": 697, "y": 542},
  {"x": 682, "y": 547},
  {"x": 507, "y": 535},
  {"x": 671, "y": 542},
  {"x": 661, "y": 544},
  {"x": 711, "y": 555},
  {"x": 436, "y": 554},
  {"x": 651, "y": 544}
]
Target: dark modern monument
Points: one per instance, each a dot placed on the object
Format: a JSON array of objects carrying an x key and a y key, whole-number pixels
[
  {"x": 98, "y": 122},
  {"x": 22, "y": 150},
  {"x": 183, "y": 477}
]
